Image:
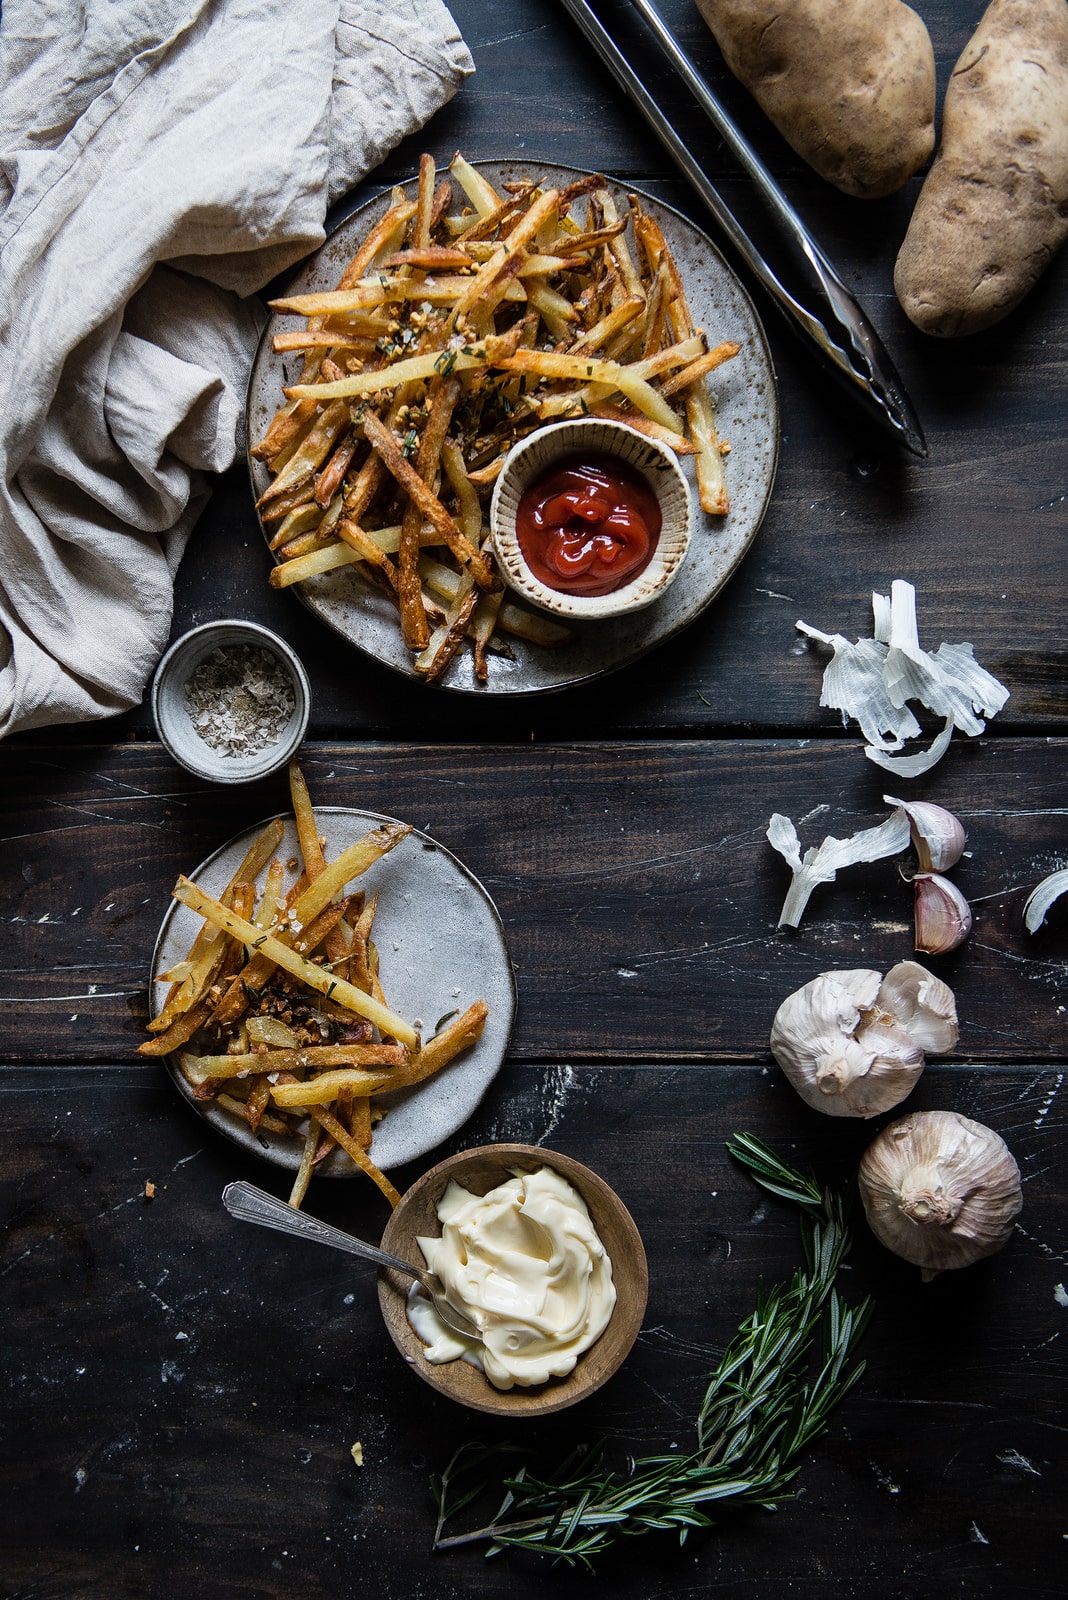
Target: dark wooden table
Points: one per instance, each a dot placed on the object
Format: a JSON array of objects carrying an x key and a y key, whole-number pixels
[{"x": 180, "y": 1401}]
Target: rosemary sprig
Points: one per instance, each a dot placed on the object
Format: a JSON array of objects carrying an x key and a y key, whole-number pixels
[{"x": 765, "y": 1403}]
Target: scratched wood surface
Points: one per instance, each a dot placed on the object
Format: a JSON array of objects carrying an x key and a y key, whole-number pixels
[
  {"x": 180, "y": 1399},
  {"x": 979, "y": 527},
  {"x": 638, "y": 892},
  {"x": 183, "y": 1395}
]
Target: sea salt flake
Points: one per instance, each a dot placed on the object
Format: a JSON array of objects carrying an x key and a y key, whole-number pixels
[{"x": 239, "y": 699}]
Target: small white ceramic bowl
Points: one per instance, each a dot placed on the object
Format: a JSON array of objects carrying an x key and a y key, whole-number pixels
[
  {"x": 586, "y": 436},
  {"x": 175, "y": 725}
]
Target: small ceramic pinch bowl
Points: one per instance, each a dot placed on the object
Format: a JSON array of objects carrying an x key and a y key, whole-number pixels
[
  {"x": 479, "y": 1171},
  {"x": 584, "y": 437},
  {"x": 287, "y": 714}
]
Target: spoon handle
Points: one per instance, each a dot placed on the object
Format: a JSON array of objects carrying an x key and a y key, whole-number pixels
[{"x": 249, "y": 1204}]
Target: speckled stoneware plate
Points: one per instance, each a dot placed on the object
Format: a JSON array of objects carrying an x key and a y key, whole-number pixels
[
  {"x": 441, "y": 946},
  {"x": 748, "y": 412}
]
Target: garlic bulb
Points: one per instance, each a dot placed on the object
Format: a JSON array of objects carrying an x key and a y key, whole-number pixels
[
  {"x": 852, "y": 1043},
  {"x": 938, "y": 837},
  {"x": 940, "y": 1190},
  {"x": 943, "y": 916}
]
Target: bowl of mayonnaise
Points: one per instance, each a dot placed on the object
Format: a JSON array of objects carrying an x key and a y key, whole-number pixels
[{"x": 540, "y": 1255}]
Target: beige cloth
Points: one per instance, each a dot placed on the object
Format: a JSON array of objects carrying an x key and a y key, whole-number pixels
[{"x": 160, "y": 160}]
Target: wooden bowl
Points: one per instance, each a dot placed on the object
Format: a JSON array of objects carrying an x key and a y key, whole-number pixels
[{"x": 480, "y": 1171}]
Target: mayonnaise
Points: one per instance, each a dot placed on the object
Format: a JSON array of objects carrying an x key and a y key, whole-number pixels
[{"x": 524, "y": 1263}]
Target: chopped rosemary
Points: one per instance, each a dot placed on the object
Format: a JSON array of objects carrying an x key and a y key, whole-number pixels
[{"x": 765, "y": 1403}]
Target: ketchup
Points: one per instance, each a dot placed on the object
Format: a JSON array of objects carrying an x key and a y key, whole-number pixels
[{"x": 588, "y": 525}]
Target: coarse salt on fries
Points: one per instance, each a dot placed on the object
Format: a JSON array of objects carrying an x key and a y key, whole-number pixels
[
  {"x": 466, "y": 318},
  {"x": 282, "y": 992}
]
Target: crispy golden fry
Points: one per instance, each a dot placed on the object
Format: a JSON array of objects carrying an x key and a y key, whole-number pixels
[
  {"x": 442, "y": 400},
  {"x": 424, "y": 204},
  {"x": 444, "y": 1046},
  {"x": 520, "y": 311},
  {"x": 385, "y": 444},
  {"x": 307, "y": 826},
  {"x": 323, "y": 1089},
  {"x": 339, "y": 990},
  {"x": 319, "y": 1058},
  {"x": 331, "y": 1125},
  {"x": 307, "y": 1160},
  {"x": 266, "y": 1057}
]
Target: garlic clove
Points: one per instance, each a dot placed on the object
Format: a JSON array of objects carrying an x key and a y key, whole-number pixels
[
  {"x": 923, "y": 1005},
  {"x": 940, "y": 1190},
  {"x": 943, "y": 916},
  {"x": 938, "y": 837}
]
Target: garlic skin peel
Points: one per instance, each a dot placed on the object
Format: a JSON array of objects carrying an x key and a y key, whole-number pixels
[
  {"x": 1042, "y": 897},
  {"x": 852, "y": 1043},
  {"x": 940, "y": 1190},
  {"x": 874, "y": 680}
]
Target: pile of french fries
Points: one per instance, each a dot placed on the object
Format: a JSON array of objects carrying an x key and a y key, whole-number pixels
[
  {"x": 277, "y": 1012},
  {"x": 467, "y": 318}
]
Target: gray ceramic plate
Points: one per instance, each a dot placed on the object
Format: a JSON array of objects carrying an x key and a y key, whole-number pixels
[
  {"x": 748, "y": 412},
  {"x": 441, "y": 947}
]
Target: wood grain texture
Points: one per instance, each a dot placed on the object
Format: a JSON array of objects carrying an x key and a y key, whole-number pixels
[
  {"x": 182, "y": 1393},
  {"x": 638, "y": 892},
  {"x": 979, "y": 527}
]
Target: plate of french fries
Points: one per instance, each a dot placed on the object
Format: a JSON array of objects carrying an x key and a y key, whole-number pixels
[
  {"x": 333, "y": 991},
  {"x": 441, "y": 323}
]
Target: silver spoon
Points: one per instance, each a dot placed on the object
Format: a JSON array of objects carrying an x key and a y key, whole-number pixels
[{"x": 249, "y": 1204}]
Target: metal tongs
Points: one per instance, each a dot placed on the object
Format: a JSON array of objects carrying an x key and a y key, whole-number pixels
[{"x": 840, "y": 331}]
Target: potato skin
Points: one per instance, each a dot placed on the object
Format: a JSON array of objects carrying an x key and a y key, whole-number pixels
[
  {"x": 994, "y": 207},
  {"x": 850, "y": 84}
]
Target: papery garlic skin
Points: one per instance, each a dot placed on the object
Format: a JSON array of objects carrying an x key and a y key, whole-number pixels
[
  {"x": 942, "y": 914},
  {"x": 852, "y": 1043},
  {"x": 1042, "y": 897},
  {"x": 923, "y": 1005},
  {"x": 938, "y": 837},
  {"x": 873, "y": 681},
  {"x": 822, "y": 864},
  {"x": 940, "y": 1190}
]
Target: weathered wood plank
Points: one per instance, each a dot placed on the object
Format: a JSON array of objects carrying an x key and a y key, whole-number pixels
[
  {"x": 181, "y": 1395},
  {"x": 638, "y": 892},
  {"x": 979, "y": 526}
]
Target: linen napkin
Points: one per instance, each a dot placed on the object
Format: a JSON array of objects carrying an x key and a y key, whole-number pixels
[{"x": 158, "y": 164}]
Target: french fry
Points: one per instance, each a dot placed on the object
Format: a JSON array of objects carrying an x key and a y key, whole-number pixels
[
  {"x": 318, "y": 978},
  {"x": 447, "y": 338},
  {"x": 444, "y": 1046},
  {"x": 320, "y": 1058},
  {"x": 331, "y": 1125},
  {"x": 383, "y": 441},
  {"x": 304, "y": 1171},
  {"x": 323, "y": 1089}
]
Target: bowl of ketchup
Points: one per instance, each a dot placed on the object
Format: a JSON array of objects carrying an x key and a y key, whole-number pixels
[{"x": 590, "y": 518}]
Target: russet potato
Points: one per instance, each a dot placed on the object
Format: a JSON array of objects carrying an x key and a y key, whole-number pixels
[
  {"x": 993, "y": 210},
  {"x": 850, "y": 84}
]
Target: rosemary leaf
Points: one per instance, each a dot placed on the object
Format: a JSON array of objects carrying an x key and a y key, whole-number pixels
[{"x": 766, "y": 1402}]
